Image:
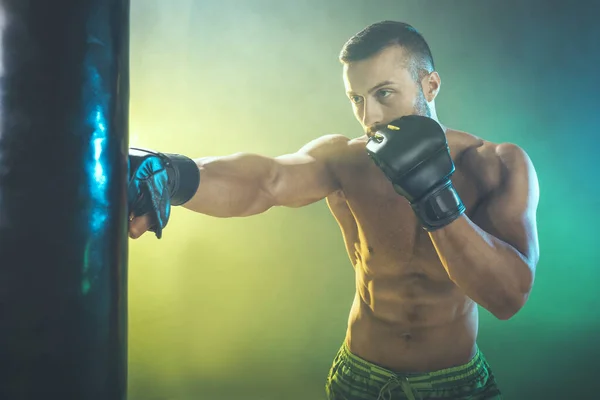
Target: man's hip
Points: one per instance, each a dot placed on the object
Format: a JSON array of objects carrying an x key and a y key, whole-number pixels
[{"x": 352, "y": 378}]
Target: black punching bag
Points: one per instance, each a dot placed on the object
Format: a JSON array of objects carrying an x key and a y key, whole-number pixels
[{"x": 64, "y": 93}]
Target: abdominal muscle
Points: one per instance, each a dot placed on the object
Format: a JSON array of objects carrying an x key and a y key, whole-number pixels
[
  {"x": 407, "y": 315},
  {"x": 407, "y": 322}
]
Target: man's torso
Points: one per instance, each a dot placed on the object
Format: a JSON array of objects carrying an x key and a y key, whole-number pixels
[{"x": 407, "y": 314}]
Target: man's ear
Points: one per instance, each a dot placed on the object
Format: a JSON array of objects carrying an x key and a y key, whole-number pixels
[{"x": 431, "y": 86}]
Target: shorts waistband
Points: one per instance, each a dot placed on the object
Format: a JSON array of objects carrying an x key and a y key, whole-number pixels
[{"x": 444, "y": 378}]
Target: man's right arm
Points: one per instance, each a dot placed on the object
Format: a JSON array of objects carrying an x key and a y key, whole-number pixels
[{"x": 247, "y": 184}]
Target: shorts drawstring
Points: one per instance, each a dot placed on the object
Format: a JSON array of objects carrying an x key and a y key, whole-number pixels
[{"x": 394, "y": 382}]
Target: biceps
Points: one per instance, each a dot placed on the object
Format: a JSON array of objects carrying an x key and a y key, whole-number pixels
[
  {"x": 519, "y": 229},
  {"x": 511, "y": 217},
  {"x": 300, "y": 180}
]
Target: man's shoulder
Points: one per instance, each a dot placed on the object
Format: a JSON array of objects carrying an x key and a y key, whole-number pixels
[
  {"x": 328, "y": 141},
  {"x": 505, "y": 157},
  {"x": 492, "y": 162},
  {"x": 332, "y": 146}
]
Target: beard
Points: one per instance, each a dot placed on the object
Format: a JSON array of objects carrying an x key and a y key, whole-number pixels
[{"x": 421, "y": 106}]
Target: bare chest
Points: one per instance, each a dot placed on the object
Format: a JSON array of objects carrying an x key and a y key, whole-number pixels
[{"x": 382, "y": 233}]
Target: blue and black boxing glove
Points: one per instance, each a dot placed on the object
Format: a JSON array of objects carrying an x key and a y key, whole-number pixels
[
  {"x": 413, "y": 153},
  {"x": 158, "y": 181}
]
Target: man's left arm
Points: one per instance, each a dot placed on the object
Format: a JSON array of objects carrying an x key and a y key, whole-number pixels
[{"x": 492, "y": 256}]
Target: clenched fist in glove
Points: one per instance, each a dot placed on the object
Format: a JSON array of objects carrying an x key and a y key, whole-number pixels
[
  {"x": 158, "y": 181},
  {"x": 413, "y": 153}
]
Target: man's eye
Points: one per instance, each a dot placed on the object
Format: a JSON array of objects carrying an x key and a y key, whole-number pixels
[
  {"x": 355, "y": 99},
  {"x": 383, "y": 93}
]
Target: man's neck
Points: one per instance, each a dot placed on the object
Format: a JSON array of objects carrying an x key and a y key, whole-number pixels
[{"x": 434, "y": 117}]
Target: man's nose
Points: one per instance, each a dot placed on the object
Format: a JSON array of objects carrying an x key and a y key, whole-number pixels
[{"x": 372, "y": 115}]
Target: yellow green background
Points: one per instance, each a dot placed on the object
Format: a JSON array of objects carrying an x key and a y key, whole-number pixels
[{"x": 255, "y": 308}]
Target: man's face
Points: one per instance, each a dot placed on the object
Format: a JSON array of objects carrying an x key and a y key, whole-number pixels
[{"x": 382, "y": 89}]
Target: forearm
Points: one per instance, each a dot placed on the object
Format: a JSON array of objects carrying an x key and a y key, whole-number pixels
[
  {"x": 233, "y": 186},
  {"x": 491, "y": 272}
]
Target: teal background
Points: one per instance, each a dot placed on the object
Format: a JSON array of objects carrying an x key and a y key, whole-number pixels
[{"x": 256, "y": 308}]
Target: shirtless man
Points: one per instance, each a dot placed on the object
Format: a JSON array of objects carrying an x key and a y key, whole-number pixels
[{"x": 432, "y": 228}]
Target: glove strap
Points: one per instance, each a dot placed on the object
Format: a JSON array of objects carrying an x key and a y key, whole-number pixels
[
  {"x": 184, "y": 177},
  {"x": 439, "y": 207}
]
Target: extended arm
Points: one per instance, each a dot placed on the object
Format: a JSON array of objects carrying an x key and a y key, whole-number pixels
[
  {"x": 232, "y": 186},
  {"x": 493, "y": 257},
  {"x": 246, "y": 184}
]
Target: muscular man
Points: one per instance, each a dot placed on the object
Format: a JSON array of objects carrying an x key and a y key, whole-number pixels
[{"x": 435, "y": 221}]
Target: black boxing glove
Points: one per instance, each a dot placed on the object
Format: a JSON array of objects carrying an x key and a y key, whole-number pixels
[
  {"x": 158, "y": 181},
  {"x": 413, "y": 153}
]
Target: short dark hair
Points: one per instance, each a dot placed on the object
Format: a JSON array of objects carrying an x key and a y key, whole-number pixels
[{"x": 380, "y": 35}]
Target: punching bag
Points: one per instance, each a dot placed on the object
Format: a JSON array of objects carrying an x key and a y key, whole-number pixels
[{"x": 64, "y": 93}]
